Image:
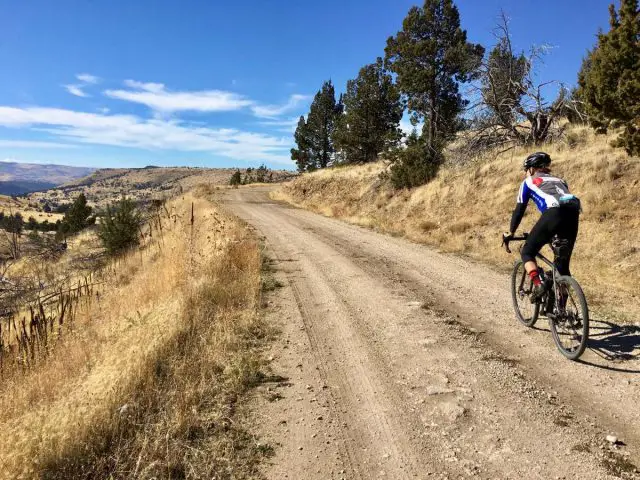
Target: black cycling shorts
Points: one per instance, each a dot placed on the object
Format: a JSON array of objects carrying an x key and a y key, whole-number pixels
[{"x": 561, "y": 221}]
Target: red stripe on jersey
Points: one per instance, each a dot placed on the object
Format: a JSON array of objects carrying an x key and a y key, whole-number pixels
[{"x": 537, "y": 181}]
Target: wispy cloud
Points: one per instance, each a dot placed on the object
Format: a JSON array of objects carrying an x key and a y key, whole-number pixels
[
  {"x": 135, "y": 132},
  {"x": 76, "y": 90},
  {"x": 271, "y": 111},
  {"x": 287, "y": 125},
  {"x": 157, "y": 97},
  {"x": 88, "y": 78},
  {"x": 33, "y": 144}
]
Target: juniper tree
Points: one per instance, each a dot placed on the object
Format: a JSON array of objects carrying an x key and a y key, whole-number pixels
[
  {"x": 373, "y": 109},
  {"x": 431, "y": 57},
  {"x": 610, "y": 77},
  {"x": 78, "y": 216},
  {"x": 236, "y": 178},
  {"x": 302, "y": 154},
  {"x": 320, "y": 125},
  {"x": 120, "y": 226}
]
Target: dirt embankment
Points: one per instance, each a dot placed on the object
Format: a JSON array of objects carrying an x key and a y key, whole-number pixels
[{"x": 465, "y": 209}]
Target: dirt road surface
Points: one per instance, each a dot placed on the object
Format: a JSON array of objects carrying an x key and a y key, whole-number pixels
[{"x": 396, "y": 361}]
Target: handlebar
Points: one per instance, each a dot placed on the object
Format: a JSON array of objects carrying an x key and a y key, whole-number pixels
[{"x": 506, "y": 239}]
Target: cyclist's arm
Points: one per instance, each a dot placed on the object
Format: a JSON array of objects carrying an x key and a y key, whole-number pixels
[{"x": 521, "y": 207}]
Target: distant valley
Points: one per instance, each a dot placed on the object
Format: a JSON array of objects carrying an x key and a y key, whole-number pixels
[{"x": 20, "y": 178}]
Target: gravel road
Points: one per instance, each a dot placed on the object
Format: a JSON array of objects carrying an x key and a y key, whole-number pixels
[{"x": 395, "y": 361}]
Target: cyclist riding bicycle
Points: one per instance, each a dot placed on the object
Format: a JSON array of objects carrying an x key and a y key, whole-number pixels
[{"x": 560, "y": 213}]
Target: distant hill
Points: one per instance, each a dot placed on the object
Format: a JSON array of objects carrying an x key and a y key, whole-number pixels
[
  {"x": 20, "y": 187},
  {"x": 19, "y": 178},
  {"x": 108, "y": 185}
]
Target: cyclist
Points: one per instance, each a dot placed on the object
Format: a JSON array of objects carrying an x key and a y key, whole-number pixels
[{"x": 560, "y": 212}]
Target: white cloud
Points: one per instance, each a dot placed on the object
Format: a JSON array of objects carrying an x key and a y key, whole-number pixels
[
  {"x": 270, "y": 111},
  {"x": 134, "y": 132},
  {"x": 104, "y": 110},
  {"x": 157, "y": 97},
  {"x": 288, "y": 126},
  {"x": 76, "y": 90},
  {"x": 150, "y": 87},
  {"x": 87, "y": 78},
  {"x": 33, "y": 144}
]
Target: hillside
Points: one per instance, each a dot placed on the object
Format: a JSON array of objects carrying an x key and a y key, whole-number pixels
[
  {"x": 19, "y": 178},
  {"x": 151, "y": 385},
  {"x": 107, "y": 185},
  {"x": 465, "y": 209}
]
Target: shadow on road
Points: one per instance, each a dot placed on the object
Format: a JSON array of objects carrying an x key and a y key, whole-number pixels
[{"x": 616, "y": 344}]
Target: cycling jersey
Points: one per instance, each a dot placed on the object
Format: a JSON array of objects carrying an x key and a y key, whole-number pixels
[
  {"x": 545, "y": 190},
  {"x": 560, "y": 216}
]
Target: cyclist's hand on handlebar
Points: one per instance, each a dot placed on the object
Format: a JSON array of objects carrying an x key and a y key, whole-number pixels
[{"x": 506, "y": 238}]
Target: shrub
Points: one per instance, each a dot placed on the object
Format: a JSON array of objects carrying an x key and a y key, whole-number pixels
[
  {"x": 78, "y": 215},
  {"x": 119, "y": 227},
  {"x": 236, "y": 179},
  {"x": 415, "y": 165}
]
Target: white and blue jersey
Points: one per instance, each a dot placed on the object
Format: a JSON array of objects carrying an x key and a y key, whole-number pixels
[{"x": 545, "y": 190}]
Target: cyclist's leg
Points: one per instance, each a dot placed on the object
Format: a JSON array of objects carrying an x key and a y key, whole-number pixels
[
  {"x": 539, "y": 236},
  {"x": 567, "y": 230}
]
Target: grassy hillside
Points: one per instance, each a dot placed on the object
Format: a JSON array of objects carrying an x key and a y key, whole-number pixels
[
  {"x": 149, "y": 387},
  {"x": 465, "y": 209}
]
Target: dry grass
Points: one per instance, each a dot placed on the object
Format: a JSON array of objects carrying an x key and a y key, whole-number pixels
[
  {"x": 26, "y": 209},
  {"x": 465, "y": 208},
  {"x": 148, "y": 383}
]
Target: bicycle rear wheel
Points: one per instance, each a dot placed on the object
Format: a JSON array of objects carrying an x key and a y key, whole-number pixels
[
  {"x": 526, "y": 312},
  {"x": 570, "y": 327}
]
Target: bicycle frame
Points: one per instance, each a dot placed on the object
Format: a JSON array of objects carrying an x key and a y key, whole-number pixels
[
  {"x": 555, "y": 274},
  {"x": 549, "y": 263}
]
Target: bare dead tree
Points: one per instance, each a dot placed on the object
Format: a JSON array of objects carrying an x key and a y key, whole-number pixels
[{"x": 511, "y": 106}]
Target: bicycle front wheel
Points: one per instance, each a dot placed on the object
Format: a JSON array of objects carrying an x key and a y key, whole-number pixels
[
  {"x": 570, "y": 325},
  {"x": 521, "y": 286}
]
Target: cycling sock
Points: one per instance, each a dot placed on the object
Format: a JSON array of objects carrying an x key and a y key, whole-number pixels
[{"x": 535, "y": 277}]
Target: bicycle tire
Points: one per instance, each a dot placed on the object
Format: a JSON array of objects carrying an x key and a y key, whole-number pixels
[
  {"x": 579, "y": 302},
  {"x": 521, "y": 298}
]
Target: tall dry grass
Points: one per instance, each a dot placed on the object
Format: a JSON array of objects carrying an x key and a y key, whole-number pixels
[
  {"x": 465, "y": 209},
  {"x": 149, "y": 384}
]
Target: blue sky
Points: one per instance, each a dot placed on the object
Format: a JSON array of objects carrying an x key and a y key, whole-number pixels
[{"x": 215, "y": 83}]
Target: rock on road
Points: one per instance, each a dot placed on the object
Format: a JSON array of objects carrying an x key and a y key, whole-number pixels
[{"x": 398, "y": 362}]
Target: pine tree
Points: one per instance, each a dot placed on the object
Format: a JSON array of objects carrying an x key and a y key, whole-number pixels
[
  {"x": 610, "y": 77},
  {"x": 120, "y": 226},
  {"x": 373, "y": 111},
  {"x": 302, "y": 154},
  {"x": 431, "y": 56},
  {"x": 78, "y": 215},
  {"x": 320, "y": 125}
]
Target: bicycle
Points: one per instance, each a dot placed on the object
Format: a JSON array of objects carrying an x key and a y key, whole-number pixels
[{"x": 563, "y": 303}]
